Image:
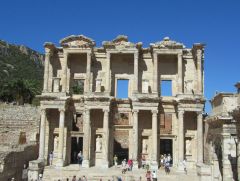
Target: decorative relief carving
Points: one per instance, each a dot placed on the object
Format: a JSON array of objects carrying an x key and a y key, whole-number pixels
[
  {"x": 78, "y": 41},
  {"x": 121, "y": 119},
  {"x": 122, "y": 138},
  {"x": 167, "y": 43}
]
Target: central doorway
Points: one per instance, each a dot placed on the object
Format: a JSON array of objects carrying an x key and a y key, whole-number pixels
[
  {"x": 121, "y": 145},
  {"x": 166, "y": 147},
  {"x": 76, "y": 146}
]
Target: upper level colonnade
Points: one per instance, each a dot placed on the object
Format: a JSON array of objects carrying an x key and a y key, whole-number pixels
[{"x": 79, "y": 67}]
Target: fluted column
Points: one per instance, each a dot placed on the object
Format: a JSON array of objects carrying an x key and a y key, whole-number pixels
[
  {"x": 108, "y": 75},
  {"x": 42, "y": 135},
  {"x": 199, "y": 70},
  {"x": 154, "y": 137},
  {"x": 88, "y": 82},
  {"x": 155, "y": 73},
  {"x": 180, "y": 74},
  {"x": 106, "y": 136},
  {"x": 64, "y": 72},
  {"x": 46, "y": 70},
  {"x": 180, "y": 136},
  {"x": 61, "y": 137},
  {"x": 135, "y": 139},
  {"x": 135, "y": 72},
  {"x": 200, "y": 137},
  {"x": 86, "y": 139}
]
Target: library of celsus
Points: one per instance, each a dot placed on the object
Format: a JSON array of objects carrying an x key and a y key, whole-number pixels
[{"x": 122, "y": 99}]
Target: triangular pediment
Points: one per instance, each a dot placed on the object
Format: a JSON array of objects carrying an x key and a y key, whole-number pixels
[
  {"x": 120, "y": 42},
  {"x": 77, "y": 41}
]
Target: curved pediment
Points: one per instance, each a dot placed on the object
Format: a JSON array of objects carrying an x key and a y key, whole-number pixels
[
  {"x": 77, "y": 41},
  {"x": 166, "y": 43},
  {"x": 120, "y": 42}
]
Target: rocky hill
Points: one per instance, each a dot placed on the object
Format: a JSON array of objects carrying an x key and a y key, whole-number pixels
[{"x": 21, "y": 72}]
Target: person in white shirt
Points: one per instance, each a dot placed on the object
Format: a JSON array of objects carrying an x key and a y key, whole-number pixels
[{"x": 154, "y": 175}]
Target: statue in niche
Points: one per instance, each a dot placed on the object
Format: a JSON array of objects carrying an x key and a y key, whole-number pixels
[
  {"x": 55, "y": 143},
  {"x": 145, "y": 146},
  {"x": 79, "y": 123},
  {"x": 188, "y": 147},
  {"x": 98, "y": 144}
]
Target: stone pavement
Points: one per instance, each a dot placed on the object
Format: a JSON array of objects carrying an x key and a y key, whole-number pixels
[{"x": 52, "y": 173}]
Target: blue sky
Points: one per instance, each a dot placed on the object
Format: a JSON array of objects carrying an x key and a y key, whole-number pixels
[{"x": 216, "y": 23}]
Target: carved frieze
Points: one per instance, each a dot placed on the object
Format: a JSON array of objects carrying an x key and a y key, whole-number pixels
[
  {"x": 166, "y": 43},
  {"x": 77, "y": 41}
]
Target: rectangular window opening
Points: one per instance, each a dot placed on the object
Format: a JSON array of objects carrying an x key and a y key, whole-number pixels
[
  {"x": 78, "y": 86},
  {"x": 122, "y": 88},
  {"x": 166, "y": 88}
]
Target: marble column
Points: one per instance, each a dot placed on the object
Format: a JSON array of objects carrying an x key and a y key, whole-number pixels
[
  {"x": 199, "y": 137},
  {"x": 135, "y": 139},
  {"x": 88, "y": 78},
  {"x": 46, "y": 70},
  {"x": 42, "y": 135},
  {"x": 135, "y": 72},
  {"x": 180, "y": 139},
  {"x": 60, "y": 161},
  {"x": 86, "y": 139},
  {"x": 238, "y": 158},
  {"x": 155, "y": 73},
  {"x": 108, "y": 74},
  {"x": 155, "y": 138},
  {"x": 64, "y": 72},
  {"x": 106, "y": 137},
  {"x": 199, "y": 70},
  {"x": 180, "y": 73}
]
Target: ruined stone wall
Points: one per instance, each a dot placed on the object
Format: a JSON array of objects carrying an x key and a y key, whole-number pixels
[{"x": 19, "y": 128}]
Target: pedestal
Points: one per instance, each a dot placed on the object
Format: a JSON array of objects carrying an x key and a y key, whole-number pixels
[
  {"x": 154, "y": 165},
  {"x": 85, "y": 164},
  {"x": 135, "y": 165},
  {"x": 35, "y": 168}
]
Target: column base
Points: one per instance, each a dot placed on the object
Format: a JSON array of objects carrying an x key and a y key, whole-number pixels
[
  {"x": 59, "y": 163},
  {"x": 154, "y": 165},
  {"x": 105, "y": 164},
  {"x": 180, "y": 168},
  {"x": 85, "y": 164},
  {"x": 135, "y": 165}
]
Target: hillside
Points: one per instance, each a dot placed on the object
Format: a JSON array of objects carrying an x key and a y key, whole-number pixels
[{"x": 21, "y": 73}]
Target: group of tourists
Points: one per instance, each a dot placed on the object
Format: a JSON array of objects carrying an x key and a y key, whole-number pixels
[
  {"x": 166, "y": 162},
  {"x": 127, "y": 165}
]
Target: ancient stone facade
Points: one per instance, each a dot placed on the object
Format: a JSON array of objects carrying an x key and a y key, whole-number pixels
[
  {"x": 221, "y": 139},
  {"x": 81, "y": 110}
]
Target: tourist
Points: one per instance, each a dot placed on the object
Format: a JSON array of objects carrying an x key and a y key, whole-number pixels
[
  {"x": 169, "y": 158},
  {"x": 74, "y": 178},
  {"x": 167, "y": 167},
  {"x": 13, "y": 179},
  {"x": 40, "y": 177},
  {"x": 143, "y": 159},
  {"x": 154, "y": 175},
  {"x": 130, "y": 165},
  {"x": 124, "y": 166},
  {"x": 184, "y": 165},
  {"x": 25, "y": 173},
  {"x": 79, "y": 157},
  {"x": 115, "y": 158},
  {"x": 148, "y": 175},
  {"x": 84, "y": 178},
  {"x": 79, "y": 179},
  {"x": 50, "y": 158},
  {"x": 162, "y": 161}
]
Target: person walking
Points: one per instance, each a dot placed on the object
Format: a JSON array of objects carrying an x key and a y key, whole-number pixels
[
  {"x": 154, "y": 175},
  {"x": 148, "y": 175},
  {"x": 50, "y": 158},
  {"x": 184, "y": 166}
]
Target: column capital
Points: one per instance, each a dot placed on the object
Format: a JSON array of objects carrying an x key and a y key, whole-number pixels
[
  {"x": 61, "y": 109},
  {"x": 106, "y": 110},
  {"x": 135, "y": 111},
  {"x": 43, "y": 110},
  {"x": 154, "y": 112},
  {"x": 181, "y": 112},
  {"x": 199, "y": 113},
  {"x": 180, "y": 54}
]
